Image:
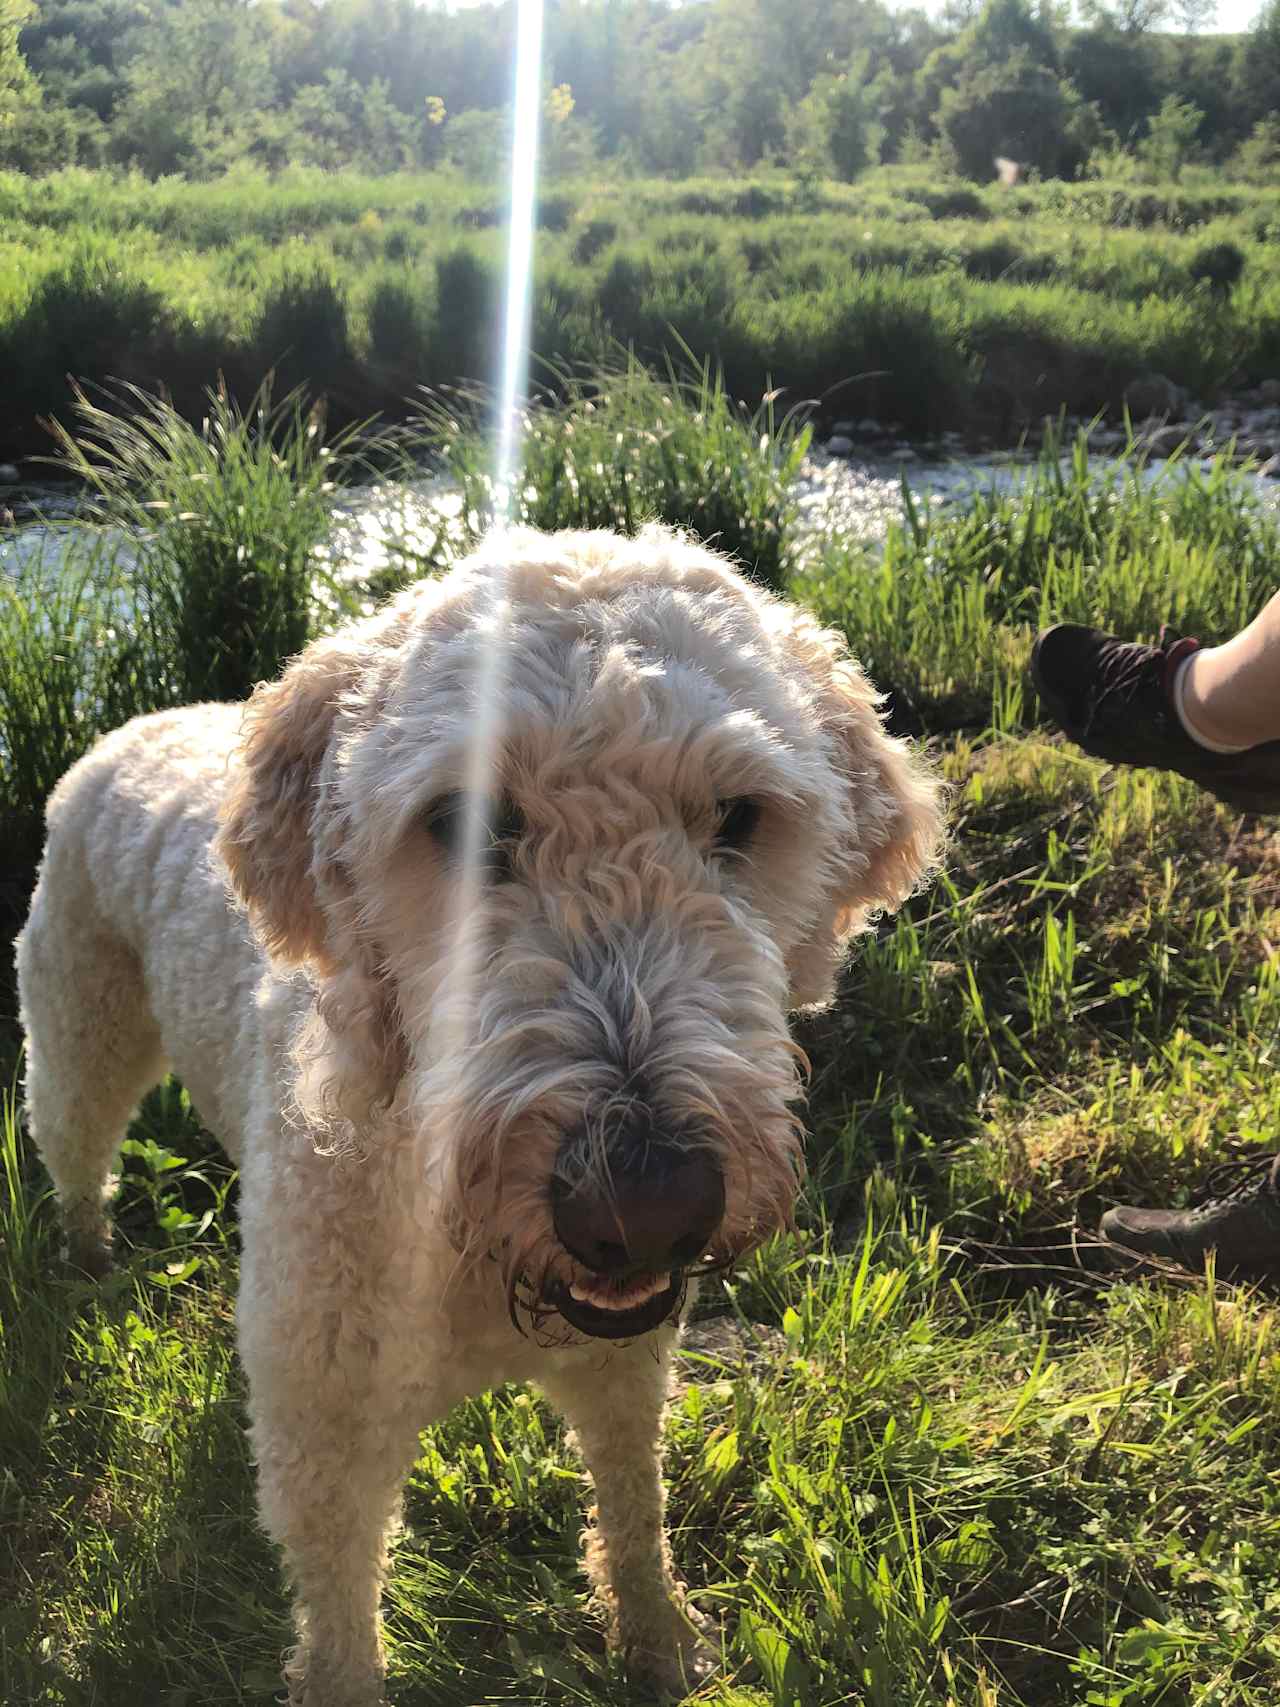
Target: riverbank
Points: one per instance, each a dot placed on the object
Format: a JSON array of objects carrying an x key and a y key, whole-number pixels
[
  {"x": 923, "y": 307},
  {"x": 930, "y": 1450}
]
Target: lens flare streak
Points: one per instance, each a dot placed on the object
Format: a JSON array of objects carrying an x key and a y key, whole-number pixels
[
  {"x": 524, "y": 178},
  {"x": 485, "y": 713}
]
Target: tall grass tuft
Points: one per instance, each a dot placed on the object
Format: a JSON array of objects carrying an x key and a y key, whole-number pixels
[
  {"x": 624, "y": 447},
  {"x": 467, "y": 305},
  {"x": 90, "y": 315},
  {"x": 399, "y": 329},
  {"x": 946, "y": 615},
  {"x": 68, "y": 671},
  {"x": 226, "y": 515},
  {"x": 303, "y": 333}
]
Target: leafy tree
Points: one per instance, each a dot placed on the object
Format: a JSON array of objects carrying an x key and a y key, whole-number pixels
[
  {"x": 836, "y": 127},
  {"x": 1171, "y": 141},
  {"x": 1020, "y": 110},
  {"x": 1004, "y": 31},
  {"x": 44, "y": 136},
  {"x": 1008, "y": 27},
  {"x": 1119, "y": 71},
  {"x": 75, "y": 50},
  {"x": 1260, "y": 66},
  {"x": 1129, "y": 17},
  {"x": 200, "y": 71},
  {"x": 18, "y": 87},
  {"x": 658, "y": 85},
  {"x": 1192, "y": 16},
  {"x": 340, "y": 123},
  {"x": 478, "y": 142},
  {"x": 568, "y": 140},
  {"x": 1258, "y": 156}
]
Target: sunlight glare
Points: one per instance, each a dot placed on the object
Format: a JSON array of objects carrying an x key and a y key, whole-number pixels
[{"x": 456, "y": 1005}]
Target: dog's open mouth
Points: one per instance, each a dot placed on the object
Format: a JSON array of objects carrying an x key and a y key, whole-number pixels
[{"x": 611, "y": 1309}]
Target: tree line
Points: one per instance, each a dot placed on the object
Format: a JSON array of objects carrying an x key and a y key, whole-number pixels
[{"x": 823, "y": 87}]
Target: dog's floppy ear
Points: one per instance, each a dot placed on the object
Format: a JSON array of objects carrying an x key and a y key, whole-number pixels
[
  {"x": 266, "y": 836},
  {"x": 891, "y": 811}
]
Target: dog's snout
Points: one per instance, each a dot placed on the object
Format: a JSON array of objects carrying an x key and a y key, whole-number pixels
[{"x": 652, "y": 1211}]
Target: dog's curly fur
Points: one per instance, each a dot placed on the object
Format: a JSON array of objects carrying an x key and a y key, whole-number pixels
[{"x": 397, "y": 1124}]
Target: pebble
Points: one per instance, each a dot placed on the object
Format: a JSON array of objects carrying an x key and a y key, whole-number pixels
[
  {"x": 8, "y": 474},
  {"x": 1163, "y": 441},
  {"x": 839, "y": 444}
]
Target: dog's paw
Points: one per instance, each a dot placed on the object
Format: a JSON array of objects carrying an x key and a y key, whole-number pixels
[
  {"x": 689, "y": 1655},
  {"x": 88, "y": 1253}
]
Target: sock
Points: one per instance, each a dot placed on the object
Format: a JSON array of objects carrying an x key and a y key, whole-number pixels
[{"x": 1179, "y": 695}]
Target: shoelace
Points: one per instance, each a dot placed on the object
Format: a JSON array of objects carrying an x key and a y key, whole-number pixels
[
  {"x": 1124, "y": 669},
  {"x": 1255, "y": 1176}
]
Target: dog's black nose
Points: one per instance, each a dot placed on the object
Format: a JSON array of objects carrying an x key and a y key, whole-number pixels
[{"x": 656, "y": 1206}]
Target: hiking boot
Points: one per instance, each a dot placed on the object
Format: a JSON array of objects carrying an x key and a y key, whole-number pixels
[
  {"x": 1114, "y": 698},
  {"x": 1241, "y": 1224}
]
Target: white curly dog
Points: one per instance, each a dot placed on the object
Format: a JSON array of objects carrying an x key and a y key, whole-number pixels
[{"x": 504, "y": 1164}]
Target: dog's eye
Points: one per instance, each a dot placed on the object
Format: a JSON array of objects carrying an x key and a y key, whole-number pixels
[
  {"x": 449, "y": 820},
  {"x": 736, "y": 822}
]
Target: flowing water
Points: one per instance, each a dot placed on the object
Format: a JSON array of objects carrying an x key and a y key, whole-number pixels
[{"x": 380, "y": 528}]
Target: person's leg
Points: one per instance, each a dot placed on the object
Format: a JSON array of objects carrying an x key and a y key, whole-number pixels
[
  {"x": 1208, "y": 713},
  {"x": 1229, "y": 696},
  {"x": 1211, "y": 713}
]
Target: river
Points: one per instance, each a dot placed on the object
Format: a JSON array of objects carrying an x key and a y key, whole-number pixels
[{"x": 851, "y": 500}]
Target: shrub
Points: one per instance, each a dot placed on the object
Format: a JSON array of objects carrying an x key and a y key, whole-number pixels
[
  {"x": 1021, "y": 110},
  {"x": 1170, "y": 143},
  {"x": 898, "y": 344},
  {"x": 227, "y": 517},
  {"x": 401, "y": 243},
  {"x": 953, "y": 202},
  {"x": 478, "y": 142},
  {"x": 756, "y": 201},
  {"x": 399, "y": 331},
  {"x": 88, "y": 316},
  {"x": 1258, "y": 156},
  {"x": 467, "y": 299},
  {"x": 626, "y": 447},
  {"x": 594, "y": 236},
  {"x": 625, "y": 288},
  {"x": 69, "y": 669},
  {"x": 553, "y": 213},
  {"x": 992, "y": 260},
  {"x": 302, "y": 332},
  {"x": 1218, "y": 265}
]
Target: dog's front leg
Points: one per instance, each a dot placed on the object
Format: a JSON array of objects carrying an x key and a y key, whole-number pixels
[
  {"x": 334, "y": 1434},
  {"x": 329, "y": 1494},
  {"x": 613, "y": 1400}
]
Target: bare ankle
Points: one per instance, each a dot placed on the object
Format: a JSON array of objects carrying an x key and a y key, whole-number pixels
[{"x": 1199, "y": 708}]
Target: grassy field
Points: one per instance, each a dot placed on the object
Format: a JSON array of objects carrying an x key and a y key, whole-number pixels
[
  {"x": 930, "y": 305},
  {"x": 932, "y": 1451}
]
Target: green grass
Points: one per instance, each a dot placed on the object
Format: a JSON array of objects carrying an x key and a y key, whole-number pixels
[
  {"x": 223, "y": 521},
  {"x": 929, "y": 305},
  {"x": 625, "y": 447},
  {"x": 930, "y": 1451}
]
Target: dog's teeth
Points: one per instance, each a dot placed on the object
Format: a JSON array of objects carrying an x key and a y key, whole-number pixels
[{"x": 603, "y": 1297}]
